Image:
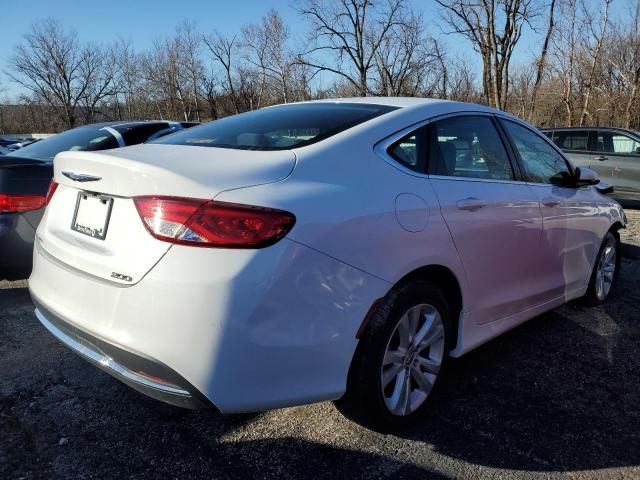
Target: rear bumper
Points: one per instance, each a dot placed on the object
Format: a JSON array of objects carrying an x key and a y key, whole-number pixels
[
  {"x": 160, "y": 382},
  {"x": 248, "y": 329}
]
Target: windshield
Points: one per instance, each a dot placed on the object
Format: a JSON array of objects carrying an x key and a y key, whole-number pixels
[
  {"x": 278, "y": 128},
  {"x": 90, "y": 137}
]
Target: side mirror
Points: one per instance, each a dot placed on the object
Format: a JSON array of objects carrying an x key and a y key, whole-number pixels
[
  {"x": 637, "y": 150},
  {"x": 586, "y": 176}
]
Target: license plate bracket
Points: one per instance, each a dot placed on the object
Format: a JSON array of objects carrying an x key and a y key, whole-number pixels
[{"x": 92, "y": 214}]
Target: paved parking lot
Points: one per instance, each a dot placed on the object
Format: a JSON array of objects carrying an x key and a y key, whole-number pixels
[{"x": 557, "y": 397}]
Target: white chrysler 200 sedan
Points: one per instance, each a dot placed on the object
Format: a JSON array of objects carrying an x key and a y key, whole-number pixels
[{"x": 327, "y": 250}]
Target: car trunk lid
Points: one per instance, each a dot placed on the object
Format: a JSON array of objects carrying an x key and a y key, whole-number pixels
[{"x": 92, "y": 223}]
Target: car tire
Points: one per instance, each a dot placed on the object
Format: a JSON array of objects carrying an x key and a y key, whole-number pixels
[
  {"x": 602, "y": 277},
  {"x": 408, "y": 334}
]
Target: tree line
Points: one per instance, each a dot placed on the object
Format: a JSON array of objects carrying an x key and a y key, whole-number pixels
[{"x": 581, "y": 68}]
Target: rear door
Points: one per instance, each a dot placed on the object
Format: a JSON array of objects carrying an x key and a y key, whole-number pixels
[
  {"x": 617, "y": 160},
  {"x": 572, "y": 224},
  {"x": 494, "y": 218}
]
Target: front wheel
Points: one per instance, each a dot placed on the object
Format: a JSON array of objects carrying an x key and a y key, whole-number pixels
[
  {"x": 400, "y": 358},
  {"x": 605, "y": 271}
]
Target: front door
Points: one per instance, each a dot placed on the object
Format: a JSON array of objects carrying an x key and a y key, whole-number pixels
[{"x": 570, "y": 239}]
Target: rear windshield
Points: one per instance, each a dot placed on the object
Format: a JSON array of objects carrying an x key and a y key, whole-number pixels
[
  {"x": 88, "y": 137},
  {"x": 278, "y": 128}
]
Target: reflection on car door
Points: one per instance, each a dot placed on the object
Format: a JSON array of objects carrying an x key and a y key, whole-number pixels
[
  {"x": 494, "y": 220},
  {"x": 571, "y": 227},
  {"x": 617, "y": 160}
]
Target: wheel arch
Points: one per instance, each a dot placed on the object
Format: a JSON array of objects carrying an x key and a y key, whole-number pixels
[
  {"x": 616, "y": 227},
  {"x": 443, "y": 278}
]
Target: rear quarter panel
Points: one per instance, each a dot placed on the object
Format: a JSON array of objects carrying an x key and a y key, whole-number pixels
[
  {"x": 17, "y": 230},
  {"x": 344, "y": 198}
]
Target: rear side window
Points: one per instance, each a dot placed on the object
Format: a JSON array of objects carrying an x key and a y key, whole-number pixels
[
  {"x": 577, "y": 140},
  {"x": 132, "y": 135},
  {"x": 409, "y": 151},
  {"x": 279, "y": 128},
  {"x": 613, "y": 142},
  {"x": 468, "y": 146}
]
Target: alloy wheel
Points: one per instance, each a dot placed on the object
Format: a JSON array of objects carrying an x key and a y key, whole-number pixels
[
  {"x": 606, "y": 269},
  {"x": 412, "y": 359}
]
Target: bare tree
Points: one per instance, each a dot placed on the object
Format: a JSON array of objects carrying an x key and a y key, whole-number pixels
[
  {"x": 404, "y": 60},
  {"x": 52, "y": 65},
  {"x": 128, "y": 79},
  {"x": 267, "y": 46},
  {"x": 98, "y": 71},
  {"x": 594, "y": 44},
  {"x": 624, "y": 57},
  {"x": 351, "y": 32},
  {"x": 494, "y": 27},
  {"x": 541, "y": 62},
  {"x": 188, "y": 43},
  {"x": 565, "y": 53},
  {"x": 224, "y": 51}
]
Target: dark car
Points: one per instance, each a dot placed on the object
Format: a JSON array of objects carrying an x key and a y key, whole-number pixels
[
  {"x": 612, "y": 152},
  {"x": 25, "y": 175}
]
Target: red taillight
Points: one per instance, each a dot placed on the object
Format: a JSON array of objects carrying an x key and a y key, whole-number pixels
[
  {"x": 20, "y": 203},
  {"x": 206, "y": 223},
  {"x": 52, "y": 189}
]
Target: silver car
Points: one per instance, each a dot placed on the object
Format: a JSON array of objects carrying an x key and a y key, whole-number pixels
[{"x": 614, "y": 153}]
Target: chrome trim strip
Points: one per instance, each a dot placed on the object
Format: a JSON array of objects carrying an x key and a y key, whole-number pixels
[
  {"x": 106, "y": 361},
  {"x": 474, "y": 179},
  {"x": 116, "y": 134}
]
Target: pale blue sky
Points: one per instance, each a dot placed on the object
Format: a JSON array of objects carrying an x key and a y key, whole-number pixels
[{"x": 143, "y": 21}]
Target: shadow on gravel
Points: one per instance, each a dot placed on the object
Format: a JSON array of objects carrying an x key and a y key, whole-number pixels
[
  {"x": 60, "y": 417},
  {"x": 560, "y": 393},
  {"x": 119, "y": 434}
]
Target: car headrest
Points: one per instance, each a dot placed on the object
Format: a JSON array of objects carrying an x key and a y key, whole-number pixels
[{"x": 254, "y": 139}]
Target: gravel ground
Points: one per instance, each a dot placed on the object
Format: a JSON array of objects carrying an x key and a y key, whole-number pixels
[{"x": 555, "y": 398}]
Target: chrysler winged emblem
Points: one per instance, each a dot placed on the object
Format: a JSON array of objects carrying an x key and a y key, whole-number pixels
[{"x": 80, "y": 177}]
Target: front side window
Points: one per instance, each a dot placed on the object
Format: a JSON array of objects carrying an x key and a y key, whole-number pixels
[
  {"x": 279, "y": 128},
  {"x": 468, "y": 146},
  {"x": 541, "y": 162},
  {"x": 611, "y": 142}
]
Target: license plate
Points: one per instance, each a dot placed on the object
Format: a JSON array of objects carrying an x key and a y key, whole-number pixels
[{"x": 91, "y": 216}]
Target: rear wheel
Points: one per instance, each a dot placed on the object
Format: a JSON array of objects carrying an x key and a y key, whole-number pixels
[
  {"x": 400, "y": 358},
  {"x": 605, "y": 271}
]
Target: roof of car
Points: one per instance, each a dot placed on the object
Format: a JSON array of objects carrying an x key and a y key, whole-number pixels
[
  {"x": 401, "y": 102},
  {"x": 553, "y": 129},
  {"x": 128, "y": 123},
  {"x": 417, "y": 104}
]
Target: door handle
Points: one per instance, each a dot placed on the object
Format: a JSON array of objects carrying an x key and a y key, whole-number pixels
[
  {"x": 550, "y": 202},
  {"x": 471, "y": 203},
  {"x": 600, "y": 158}
]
